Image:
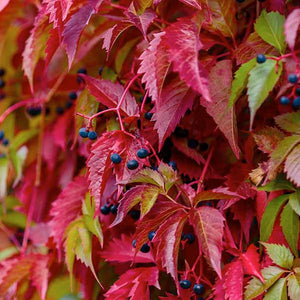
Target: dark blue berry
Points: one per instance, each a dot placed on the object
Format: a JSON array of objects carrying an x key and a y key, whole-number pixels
[
  {"x": 199, "y": 204},
  {"x": 185, "y": 284},
  {"x": 154, "y": 168},
  {"x": 173, "y": 165},
  {"x": 208, "y": 204},
  {"x": 2, "y": 83},
  {"x": 199, "y": 289},
  {"x": 142, "y": 153},
  {"x": 92, "y": 135},
  {"x": 82, "y": 71},
  {"x": 115, "y": 158},
  {"x": 1, "y": 134},
  {"x": 132, "y": 164},
  {"x": 59, "y": 110},
  {"x": 100, "y": 71},
  {"x": 134, "y": 243},
  {"x": 297, "y": 92},
  {"x": 105, "y": 209},
  {"x": 34, "y": 111},
  {"x": 240, "y": 1},
  {"x": 47, "y": 111},
  {"x": 203, "y": 146},
  {"x": 260, "y": 58},
  {"x": 284, "y": 100},
  {"x": 83, "y": 132},
  {"x": 296, "y": 102},
  {"x": 151, "y": 235},
  {"x": 192, "y": 143},
  {"x": 190, "y": 237},
  {"x": 114, "y": 209},
  {"x": 72, "y": 96},
  {"x": 148, "y": 115},
  {"x": 5, "y": 142},
  {"x": 135, "y": 214},
  {"x": 69, "y": 104},
  {"x": 2, "y": 72},
  {"x": 145, "y": 248},
  {"x": 292, "y": 78}
]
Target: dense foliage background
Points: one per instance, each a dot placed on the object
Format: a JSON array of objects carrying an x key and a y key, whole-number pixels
[{"x": 150, "y": 149}]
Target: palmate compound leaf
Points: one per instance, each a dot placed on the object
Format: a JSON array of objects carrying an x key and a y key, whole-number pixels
[
  {"x": 146, "y": 195},
  {"x": 280, "y": 255},
  {"x": 67, "y": 207},
  {"x": 269, "y": 26},
  {"x": 289, "y": 222},
  {"x": 78, "y": 244},
  {"x": 292, "y": 166},
  {"x": 270, "y": 215},
  {"x": 154, "y": 66},
  {"x": 208, "y": 225},
  {"x": 134, "y": 284},
  {"x": 262, "y": 80},
  {"x": 291, "y": 26},
  {"x": 33, "y": 267},
  {"x": 220, "y": 78},
  {"x": 176, "y": 98},
  {"x": 255, "y": 287},
  {"x": 240, "y": 81},
  {"x": 182, "y": 42},
  {"x": 233, "y": 281}
]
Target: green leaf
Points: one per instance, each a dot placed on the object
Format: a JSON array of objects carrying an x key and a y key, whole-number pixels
[
  {"x": 269, "y": 216},
  {"x": 281, "y": 255},
  {"x": 150, "y": 176},
  {"x": 93, "y": 225},
  {"x": 293, "y": 287},
  {"x": 278, "y": 291},
  {"x": 8, "y": 252},
  {"x": 295, "y": 202},
  {"x": 240, "y": 81},
  {"x": 281, "y": 152},
  {"x": 170, "y": 176},
  {"x": 289, "y": 222},
  {"x": 292, "y": 166},
  {"x": 269, "y": 26},
  {"x": 262, "y": 80},
  {"x": 141, "y": 5},
  {"x": 289, "y": 122},
  {"x": 79, "y": 244},
  {"x": 18, "y": 158},
  {"x": 255, "y": 287},
  {"x": 278, "y": 184},
  {"x": 3, "y": 176}
]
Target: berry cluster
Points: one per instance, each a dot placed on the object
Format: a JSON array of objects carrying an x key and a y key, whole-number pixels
[
  {"x": 107, "y": 208},
  {"x": 85, "y": 133},
  {"x": 145, "y": 248},
  {"x": 293, "y": 79},
  {"x": 198, "y": 288},
  {"x": 3, "y": 140},
  {"x": 72, "y": 97}
]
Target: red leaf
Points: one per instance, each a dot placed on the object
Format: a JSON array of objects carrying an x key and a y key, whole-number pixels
[
  {"x": 143, "y": 21},
  {"x": 250, "y": 261},
  {"x": 277, "y": 5},
  {"x": 167, "y": 238},
  {"x": 194, "y": 3},
  {"x": 220, "y": 79},
  {"x": 109, "y": 94},
  {"x": 175, "y": 100},
  {"x": 35, "y": 45},
  {"x": 291, "y": 26},
  {"x": 183, "y": 44},
  {"x": 111, "y": 35},
  {"x": 33, "y": 267},
  {"x": 67, "y": 207},
  {"x": 121, "y": 250},
  {"x": 208, "y": 226},
  {"x": 52, "y": 45},
  {"x": 134, "y": 284},
  {"x": 219, "y": 293},
  {"x": 233, "y": 281},
  {"x": 73, "y": 29},
  {"x": 155, "y": 66}
]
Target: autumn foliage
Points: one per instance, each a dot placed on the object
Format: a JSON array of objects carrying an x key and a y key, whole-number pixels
[{"x": 149, "y": 149}]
